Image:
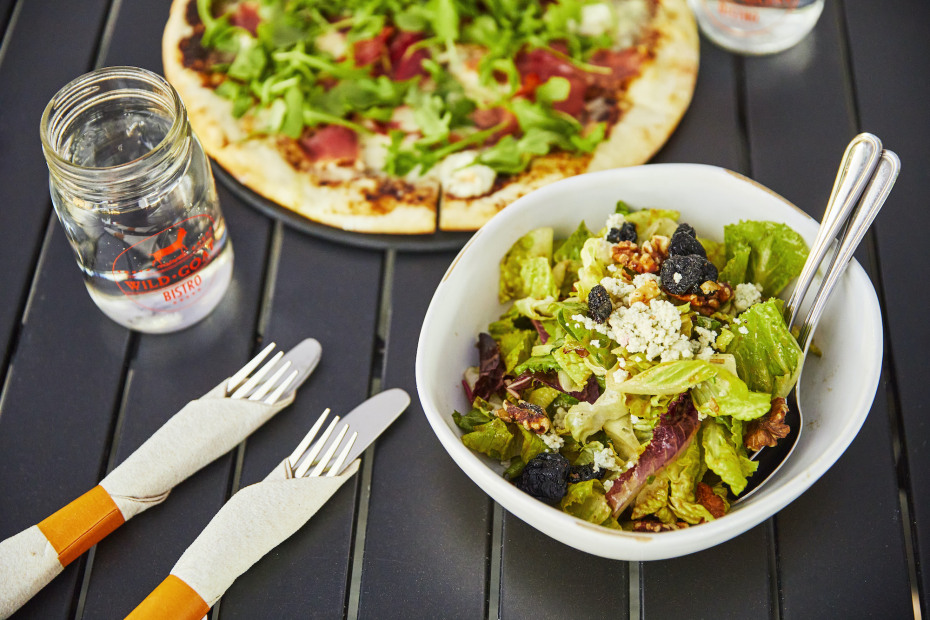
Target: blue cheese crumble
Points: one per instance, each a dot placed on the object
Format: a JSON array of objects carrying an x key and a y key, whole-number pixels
[{"x": 746, "y": 295}]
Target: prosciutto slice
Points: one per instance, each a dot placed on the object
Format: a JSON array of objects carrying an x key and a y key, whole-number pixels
[
  {"x": 672, "y": 436},
  {"x": 404, "y": 63},
  {"x": 330, "y": 143}
]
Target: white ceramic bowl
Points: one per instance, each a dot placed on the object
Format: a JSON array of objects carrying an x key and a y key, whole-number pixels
[{"x": 836, "y": 390}]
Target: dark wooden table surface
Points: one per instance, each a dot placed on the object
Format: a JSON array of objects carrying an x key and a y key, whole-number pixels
[{"x": 413, "y": 537}]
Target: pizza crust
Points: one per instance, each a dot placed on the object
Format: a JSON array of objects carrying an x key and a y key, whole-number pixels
[
  {"x": 652, "y": 108},
  {"x": 348, "y": 199},
  {"x": 659, "y": 97}
]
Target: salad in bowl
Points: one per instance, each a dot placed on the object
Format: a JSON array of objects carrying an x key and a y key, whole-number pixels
[
  {"x": 637, "y": 367},
  {"x": 650, "y": 435}
]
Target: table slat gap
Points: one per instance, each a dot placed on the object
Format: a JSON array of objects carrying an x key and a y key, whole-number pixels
[
  {"x": 10, "y": 24},
  {"x": 87, "y": 563},
  {"x": 25, "y": 304},
  {"x": 106, "y": 33},
  {"x": 375, "y": 385},
  {"x": 495, "y": 551}
]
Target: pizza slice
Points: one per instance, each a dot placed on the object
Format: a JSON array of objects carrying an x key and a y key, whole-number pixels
[{"x": 370, "y": 115}]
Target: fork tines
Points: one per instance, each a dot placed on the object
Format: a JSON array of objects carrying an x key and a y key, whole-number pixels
[
  {"x": 242, "y": 385},
  {"x": 304, "y": 457}
]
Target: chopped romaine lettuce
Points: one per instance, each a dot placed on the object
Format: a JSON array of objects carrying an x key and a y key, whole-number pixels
[
  {"x": 587, "y": 500},
  {"x": 669, "y": 377},
  {"x": 650, "y": 222},
  {"x": 767, "y": 355},
  {"x": 608, "y": 413},
  {"x": 776, "y": 254},
  {"x": 724, "y": 458},
  {"x": 725, "y": 394},
  {"x": 683, "y": 475},
  {"x": 595, "y": 256},
  {"x": 520, "y": 263},
  {"x": 494, "y": 439}
]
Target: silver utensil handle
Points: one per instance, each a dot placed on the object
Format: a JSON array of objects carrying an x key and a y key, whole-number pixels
[
  {"x": 859, "y": 162},
  {"x": 875, "y": 195}
]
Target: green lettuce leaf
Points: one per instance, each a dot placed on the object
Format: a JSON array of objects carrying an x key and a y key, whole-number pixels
[
  {"x": 734, "y": 271},
  {"x": 716, "y": 252},
  {"x": 494, "y": 439},
  {"x": 727, "y": 395},
  {"x": 777, "y": 253},
  {"x": 536, "y": 244},
  {"x": 587, "y": 500},
  {"x": 609, "y": 414},
  {"x": 570, "y": 249},
  {"x": 669, "y": 377},
  {"x": 543, "y": 396},
  {"x": 650, "y": 222},
  {"x": 767, "y": 355},
  {"x": 571, "y": 363},
  {"x": 480, "y": 414},
  {"x": 723, "y": 457},
  {"x": 532, "y": 445},
  {"x": 683, "y": 474},
  {"x": 544, "y": 363},
  {"x": 652, "y": 498},
  {"x": 515, "y": 347},
  {"x": 595, "y": 256}
]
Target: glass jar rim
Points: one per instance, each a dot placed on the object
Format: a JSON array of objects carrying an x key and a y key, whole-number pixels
[{"x": 87, "y": 85}]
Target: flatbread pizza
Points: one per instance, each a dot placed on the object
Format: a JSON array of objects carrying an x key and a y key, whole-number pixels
[{"x": 407, "y": 117}]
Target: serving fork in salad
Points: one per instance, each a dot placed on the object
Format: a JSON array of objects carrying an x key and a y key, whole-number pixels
[{"x": 865, "y": 178}]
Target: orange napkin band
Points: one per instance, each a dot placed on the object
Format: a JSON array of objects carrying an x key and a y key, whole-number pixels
[
  {"x": 81, "y": 524},
  {"x": 171, "y": 599}
]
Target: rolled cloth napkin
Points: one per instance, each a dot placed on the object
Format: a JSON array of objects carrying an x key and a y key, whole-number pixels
[
  {"x": 198, "y": 434},
  {"x": 253, "y": 522}
]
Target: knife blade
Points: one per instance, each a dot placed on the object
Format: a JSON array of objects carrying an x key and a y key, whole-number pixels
[{"x": 369, "y": 420}]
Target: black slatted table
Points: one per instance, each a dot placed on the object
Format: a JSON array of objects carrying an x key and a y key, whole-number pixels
[{"x": 411, "y": 536}]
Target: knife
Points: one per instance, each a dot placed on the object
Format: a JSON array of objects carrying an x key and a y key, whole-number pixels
[{"x": 369, "y": 420}]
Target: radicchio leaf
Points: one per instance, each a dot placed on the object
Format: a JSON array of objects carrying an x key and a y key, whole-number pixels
[
  {"x": 672, "y": 436},
  {"x": 543, "y": 334},
  {"x": 589, "y": 394},
  {"x": 490, "y": 368}
]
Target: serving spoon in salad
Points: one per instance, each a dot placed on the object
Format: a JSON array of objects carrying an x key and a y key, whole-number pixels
[{"x": 866, "y": 175}]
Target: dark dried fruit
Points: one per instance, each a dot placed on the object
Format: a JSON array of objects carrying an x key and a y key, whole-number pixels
[
  {"x": 710, "y": 272},
  {"x": 580, "y": 473},
  {"x": 627, "y": 232},
  {"x": 599, "y": 304},
  {"x": 683, "y": 244},
  {"x": 681, "y": 274},
  {"x": 686, "y": 228},
  {"x": 545, "y": 477}
]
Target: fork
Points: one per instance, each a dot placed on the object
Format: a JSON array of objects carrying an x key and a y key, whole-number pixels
[
  {"x": 243, "y": 386},
  {"x": 304, "y": 456}
]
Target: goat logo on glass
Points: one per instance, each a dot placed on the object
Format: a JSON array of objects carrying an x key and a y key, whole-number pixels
[{"x": 160, "y": 271}]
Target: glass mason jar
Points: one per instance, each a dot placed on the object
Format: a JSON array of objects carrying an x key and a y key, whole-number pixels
[
  {"x": 756, "y": 26},
  {"x": 134, "y": 192}
]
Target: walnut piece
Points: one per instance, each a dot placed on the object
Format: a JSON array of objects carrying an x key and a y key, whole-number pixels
[
  {"x": 767, "y": 430},
  {"x": 718, "y": 293},
  {"x": 531, "y": 416},
  {"x": 652, "y": 525},
  {"x": 710, "y": 500},
  {"x": 641, "y": 260}
]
